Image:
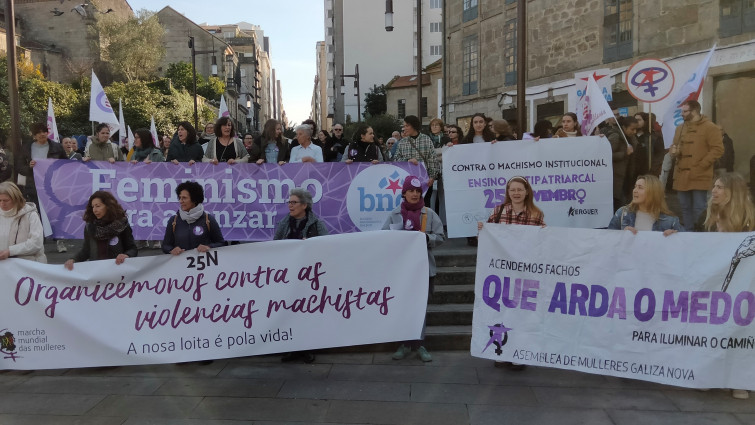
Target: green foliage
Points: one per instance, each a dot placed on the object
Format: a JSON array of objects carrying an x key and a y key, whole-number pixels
[
  {"x": 211, "y": 89},
  {"x": 382, "y": 125},
  {"x": 375, "y": 101},
  {"x": 182, "y": 76},
  {"x": 132, "y": 48}
]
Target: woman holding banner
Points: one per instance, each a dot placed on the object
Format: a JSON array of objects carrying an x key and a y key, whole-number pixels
[
  {"x": 569, "y": 126},
  {"x": 225, "y": 147},
  {"x": 192, "y": 227},
  {"x": 730, "y": 209},
  {"x": 412, "y": 215},
  {"x": 21, "y": 234},
  {"x": 185, "y": 147},
  {"x": 518, "y": 208},
  {"x": 647, "y": 211},
  {"x": 107, "y": 234},
  {"x": 363, "y": 148},
  {"x": 144, "y": 148},
  {"x": 299, "y": 223},
  {"x": 271, "y": 147}
]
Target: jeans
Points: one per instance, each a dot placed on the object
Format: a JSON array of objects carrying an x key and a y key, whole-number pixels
[{"x": 693, "y": 203}]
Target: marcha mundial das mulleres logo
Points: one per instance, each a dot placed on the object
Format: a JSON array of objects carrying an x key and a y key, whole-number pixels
[
  {"x": 8, "y": 345},
  {"x": 373, "y": 194}
]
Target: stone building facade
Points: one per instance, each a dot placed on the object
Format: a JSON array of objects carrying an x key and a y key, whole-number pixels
[
  {"x": 61, "y": 43},
  {"x": 569, "y": 36},
  {"x": 401, "y": 94}
]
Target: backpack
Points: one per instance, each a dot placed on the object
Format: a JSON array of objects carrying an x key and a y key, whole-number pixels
[{"x": 6, "y": 170}]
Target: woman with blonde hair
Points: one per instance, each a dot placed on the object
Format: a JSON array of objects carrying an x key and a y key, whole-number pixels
[
  {"x": 730, "y": 208},
  {"x": 21, "y": 234},
  {"x": 647, "y": 211}
]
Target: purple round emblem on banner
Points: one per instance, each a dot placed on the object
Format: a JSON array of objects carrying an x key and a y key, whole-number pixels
[
  {"x": 198, "y": 230},
  {"x": 102, "y": 103},
  {"x": 114, "y": 241}
]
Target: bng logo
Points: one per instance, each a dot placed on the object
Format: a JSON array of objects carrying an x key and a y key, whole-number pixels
[{"x": 373, "y": 194}]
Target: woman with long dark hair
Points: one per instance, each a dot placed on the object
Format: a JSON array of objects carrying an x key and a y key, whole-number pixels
[
  {"x": 363, "y": 148},
  {"x": 184, "y": 147},
  {"x": 226, "y": 147},
  {"x": 478, "y": 131},
  {"x": 107, "y": 234},
  {"x": 569, "y": 126},
  {"x": 271, "y": 147}
]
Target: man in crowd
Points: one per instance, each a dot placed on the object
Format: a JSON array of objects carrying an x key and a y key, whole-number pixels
[
  {"x": 698, "y": 143},
  {"x": 335, "y": 145}
]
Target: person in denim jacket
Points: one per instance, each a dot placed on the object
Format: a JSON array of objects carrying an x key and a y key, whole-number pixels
[{"x": 647, "y": 211}]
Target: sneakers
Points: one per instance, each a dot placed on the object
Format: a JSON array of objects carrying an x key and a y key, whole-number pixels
[
  {"x": 740, "y": 394},
  {"x": 142, "y": 244},
  {"x": 402, "y": 352},
  {"x": 157, "y": 245},
  {"x": 424, "y": 355},
  {"x": 61, "y": 246}
]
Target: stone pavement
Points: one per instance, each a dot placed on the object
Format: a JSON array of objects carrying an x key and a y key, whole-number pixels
[
  {"x": 349, "y": 388},
  {"x": 352, "y": 388}
]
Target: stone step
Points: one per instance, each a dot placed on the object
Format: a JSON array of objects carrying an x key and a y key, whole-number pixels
[
  {"x": 455, "y": 275},
  {"x": 449, "y": 314},
  {"x": 456, "y": 259},
  {"x": 453, "y": 294},
  {"x": 437, "y": 338}
]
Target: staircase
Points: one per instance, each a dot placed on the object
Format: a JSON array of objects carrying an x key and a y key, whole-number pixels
[{"x": 449, "y": 311}]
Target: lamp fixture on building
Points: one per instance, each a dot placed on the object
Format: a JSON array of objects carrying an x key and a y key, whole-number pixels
[
  {"x": 214, "y": 68},
  {"x": 389, "y": 15}
]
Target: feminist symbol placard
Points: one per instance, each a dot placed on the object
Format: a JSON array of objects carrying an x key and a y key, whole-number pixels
[{"x": 650, "y": 80}]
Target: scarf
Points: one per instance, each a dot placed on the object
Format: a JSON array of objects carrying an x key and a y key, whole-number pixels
[
  {"x": 104, "y": 231},
  {"x": 192, "y": 215},
  {"x": 294, "y": 230},
  {"x": 412, "y": 214},
  {"x": 141, "y": 154}
]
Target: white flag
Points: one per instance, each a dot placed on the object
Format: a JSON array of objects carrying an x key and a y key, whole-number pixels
[
  {"x": 52, "y": 125},
  {"x": 130, "y": 139},
  {"x": 153, "y": 130},
  {"x": 223, "y": 111},
  {"x": 122, "y": 133},
  {"x": 689, "y": 91},
  {"x": 592, "y": 108},
  {"x": 99, "y": 107}
]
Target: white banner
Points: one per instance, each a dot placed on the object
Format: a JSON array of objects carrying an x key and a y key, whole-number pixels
[
  {"x": 609, "y": 302},
  {"x": 572, "y": 180},
  {"x": 241, "y": 300}
]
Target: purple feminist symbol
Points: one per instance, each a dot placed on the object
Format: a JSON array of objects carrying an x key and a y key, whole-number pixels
[
  {"x": 649, "y": 79},
  {"x": 498, "y": 337},
  {"x": 102, "y": 102}
]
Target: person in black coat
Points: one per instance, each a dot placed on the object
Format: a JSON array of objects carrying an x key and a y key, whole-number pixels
[
  {"x": 107, "y": 234},
  {"x": 192, "y": 227},
  {"x": 184, "y": 146},
  {"x": 39, "y": 148}
]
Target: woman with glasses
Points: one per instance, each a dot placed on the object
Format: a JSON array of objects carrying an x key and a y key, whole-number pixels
[
  {"x": 192, "y": 227},
  {"x": 299, "y": 223},
  {"x": 455, "y": 134},
  {"x": 518, "y": 208}
]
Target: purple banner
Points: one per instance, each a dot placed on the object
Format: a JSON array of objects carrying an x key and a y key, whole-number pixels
[{"x": 247, "y": 200}]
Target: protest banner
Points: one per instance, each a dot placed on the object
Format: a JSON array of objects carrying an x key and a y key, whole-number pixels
[
  {"x": 675, "y": 310},
  {"x": 246, "y": 199},
  {"x": 240, "y": 300},
  {"x": 572, "y": 180}
]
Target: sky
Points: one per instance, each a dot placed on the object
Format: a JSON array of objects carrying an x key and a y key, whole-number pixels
[{"x": 293, "y": 26}]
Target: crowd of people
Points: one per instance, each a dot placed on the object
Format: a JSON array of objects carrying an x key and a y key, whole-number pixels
[{"x": 698, "y": 166}]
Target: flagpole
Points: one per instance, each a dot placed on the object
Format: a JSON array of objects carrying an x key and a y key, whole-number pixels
[{"x": 650, "y": 137}]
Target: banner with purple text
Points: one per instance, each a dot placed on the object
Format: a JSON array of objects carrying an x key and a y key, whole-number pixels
[
  {"x": 247, "y": 200},
  {"x": 572, "y": 180},
  {"x": 676, "y": 310},
  {"x": 241, "y": 300}
]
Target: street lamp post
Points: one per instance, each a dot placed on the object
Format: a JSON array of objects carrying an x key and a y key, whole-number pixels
[
  {"x": 521, "y": 66},
  {"x": 389, "y": 27},
  {"x": 355, "y": 76},
  {"x": 214, "y": 71},
  {"x": 14, "y": 103}
]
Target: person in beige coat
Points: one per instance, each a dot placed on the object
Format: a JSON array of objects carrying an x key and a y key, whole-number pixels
[
  {"x": 21, "y": 234},
  {"x": 698, "y": 143}
]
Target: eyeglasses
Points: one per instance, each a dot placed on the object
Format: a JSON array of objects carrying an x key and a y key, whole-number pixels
[
  {"x": 451, "y": 131},
  {"x": 337, "y": 129},
  {"x": 294, "y": 202}
]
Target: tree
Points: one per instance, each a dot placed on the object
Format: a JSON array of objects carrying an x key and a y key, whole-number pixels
[
  {"x": 182, "y": 76},
  {"x": 132, "y": 48},
  {"x": 375, "y": 101},
  {"x": 212, "y": 88}
]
